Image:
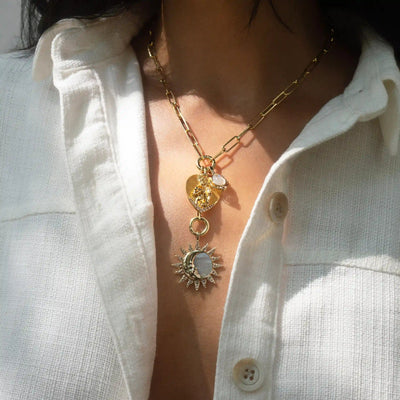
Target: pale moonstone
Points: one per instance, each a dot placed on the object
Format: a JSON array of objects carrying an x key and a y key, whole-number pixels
[
  {"x": 203, "y": 264},
  {"x": 218, "y": 180}
]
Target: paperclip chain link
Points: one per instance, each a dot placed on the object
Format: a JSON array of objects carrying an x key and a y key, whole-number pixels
[{"x": 235, "y": 140}]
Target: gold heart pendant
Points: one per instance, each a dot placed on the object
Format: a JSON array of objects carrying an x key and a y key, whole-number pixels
[{"x": 205, "y": 191}]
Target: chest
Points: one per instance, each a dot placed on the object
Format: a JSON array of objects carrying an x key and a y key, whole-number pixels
[{"x": 189, "y": 321}]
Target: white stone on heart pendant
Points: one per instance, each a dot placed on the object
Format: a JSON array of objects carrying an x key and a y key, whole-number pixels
[
  {"x": 203, "y": 264},
  {"x": 218, "y": 180}
]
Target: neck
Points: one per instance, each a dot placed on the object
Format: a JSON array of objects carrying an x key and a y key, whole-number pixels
[{"x": 209, "y": 50}]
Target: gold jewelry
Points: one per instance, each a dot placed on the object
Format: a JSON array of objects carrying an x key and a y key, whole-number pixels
[{"x": 198, "y": 265}]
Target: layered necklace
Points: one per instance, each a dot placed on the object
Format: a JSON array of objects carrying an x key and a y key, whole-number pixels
[{"x": 198, "y": 264}]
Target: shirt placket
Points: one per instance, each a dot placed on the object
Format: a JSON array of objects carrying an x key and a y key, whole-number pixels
[{"x": 249, "y": 331}]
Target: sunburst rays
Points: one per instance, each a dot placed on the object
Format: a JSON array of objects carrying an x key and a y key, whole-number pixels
[{"x": 192, "y": 275}]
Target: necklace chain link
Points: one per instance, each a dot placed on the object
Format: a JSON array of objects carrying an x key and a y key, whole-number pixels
[{"x": 255, "y": 121}]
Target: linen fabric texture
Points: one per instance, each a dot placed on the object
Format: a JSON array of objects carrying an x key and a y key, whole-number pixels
[{"x": 314, "y": 299}]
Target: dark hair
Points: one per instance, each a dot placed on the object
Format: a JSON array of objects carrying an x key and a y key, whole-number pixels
[{"x": 38, "y": 15}]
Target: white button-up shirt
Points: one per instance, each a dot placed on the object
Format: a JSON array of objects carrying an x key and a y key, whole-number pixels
[{"x": 313, "y": 307}]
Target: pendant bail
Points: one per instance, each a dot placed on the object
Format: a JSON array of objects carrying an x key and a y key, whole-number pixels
[
  {"x": 200, "y": 219},
  {"x": 206, "y": 168}
]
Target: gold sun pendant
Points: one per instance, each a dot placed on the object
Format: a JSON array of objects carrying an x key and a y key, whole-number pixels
[{"x": 198, "y": 265}]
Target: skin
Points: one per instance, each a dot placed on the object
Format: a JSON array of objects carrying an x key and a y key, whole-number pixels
[{"x": 222, "y": 74}]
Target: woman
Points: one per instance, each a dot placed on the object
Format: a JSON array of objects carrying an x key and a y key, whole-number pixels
[{"x": 299, "y": 298}]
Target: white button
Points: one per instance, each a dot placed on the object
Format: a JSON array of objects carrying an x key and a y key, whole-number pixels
[
  {"x": 247, "y": 375},
  {"x": 278, "y": 207}
]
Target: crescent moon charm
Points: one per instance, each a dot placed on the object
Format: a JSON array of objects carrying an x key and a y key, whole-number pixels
[{"x": 197, "y": 266}]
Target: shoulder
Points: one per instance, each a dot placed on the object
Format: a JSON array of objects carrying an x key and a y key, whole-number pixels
[
  {"x": 16, "y": 63},
  {"x": 24, "y": 102},
  {"x": 17, "y": 86},
  {"x": 22, "y": 99}
]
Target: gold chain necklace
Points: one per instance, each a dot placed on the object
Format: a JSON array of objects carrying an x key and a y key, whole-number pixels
[{"x": 198, "y": 265}]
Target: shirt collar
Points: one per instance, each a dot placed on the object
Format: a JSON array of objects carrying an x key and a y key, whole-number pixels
[
  {"x": 375, "y": 88},
  {"x": 75, "y": 43},
  {"x": 374, "y": 91}
]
